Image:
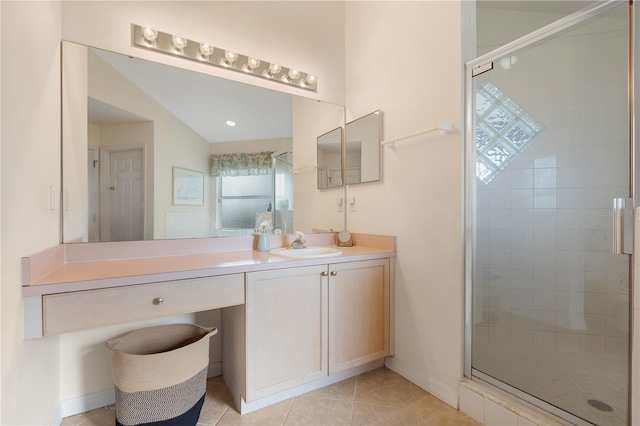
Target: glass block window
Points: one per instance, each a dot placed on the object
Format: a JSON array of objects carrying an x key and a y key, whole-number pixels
[{"x": 503, "y": 130}]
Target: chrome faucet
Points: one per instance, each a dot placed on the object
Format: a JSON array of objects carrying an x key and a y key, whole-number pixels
[{"x": 298, "y": 243}]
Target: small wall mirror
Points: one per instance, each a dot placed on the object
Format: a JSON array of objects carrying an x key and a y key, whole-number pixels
[
  {"x": 363, "y": 136},
  {"x": 330, "y": 159}
]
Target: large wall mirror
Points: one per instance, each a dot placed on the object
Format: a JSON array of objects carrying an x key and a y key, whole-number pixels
[
  {"x": 362, "y": 149},
  {"x": 152, "y": 151}
]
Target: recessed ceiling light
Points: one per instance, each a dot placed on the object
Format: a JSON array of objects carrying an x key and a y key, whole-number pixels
[{"x": 230, "y": 123}]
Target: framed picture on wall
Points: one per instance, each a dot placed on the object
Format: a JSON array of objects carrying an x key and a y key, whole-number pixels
[{"x": 188, "y": 187}]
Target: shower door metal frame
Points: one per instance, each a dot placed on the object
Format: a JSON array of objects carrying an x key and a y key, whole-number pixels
[{"x": 530, "y": 40}]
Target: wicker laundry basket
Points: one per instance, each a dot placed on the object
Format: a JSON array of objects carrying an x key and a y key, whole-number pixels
[{"x": 160, "y": 374}]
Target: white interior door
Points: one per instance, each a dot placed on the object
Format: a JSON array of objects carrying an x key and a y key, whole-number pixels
[{"x": 122, "y": 193}]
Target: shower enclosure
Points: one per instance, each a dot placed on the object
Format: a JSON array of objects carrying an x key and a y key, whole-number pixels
[
  {"x": 283, "y": 190},
  {"x": 548, "y": 150}
]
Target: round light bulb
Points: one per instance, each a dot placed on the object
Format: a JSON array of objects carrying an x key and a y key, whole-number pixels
[
  {"x": 149, "y": 34},
  {"x": 230, "y": 123},
  {"x": 252, "y": 63},
  {"x": 310, "y": 80},
  {"x": 230, "y": 57},
  {"x": 179, "y": 41},
  {"x": 273, "y": 69},
  {"x": 206, "y": 50},
  {"x": 293, "y": 75}
]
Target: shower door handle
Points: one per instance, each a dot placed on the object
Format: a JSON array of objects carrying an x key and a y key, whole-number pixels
[{"x": 622, "y": 225}]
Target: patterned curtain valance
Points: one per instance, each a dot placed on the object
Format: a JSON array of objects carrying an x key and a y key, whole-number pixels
[{"x": 241, "y": 164}]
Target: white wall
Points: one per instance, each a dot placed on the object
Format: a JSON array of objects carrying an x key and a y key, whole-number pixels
[
  {"x": 306, "y": 35},
  {"x": 404, "y": 58},
  {"x": 311, "y": 119},
  {"x": 30, "y": 141}
]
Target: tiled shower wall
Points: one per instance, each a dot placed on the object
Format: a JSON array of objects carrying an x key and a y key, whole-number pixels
[{"x": 545, "y": 274}]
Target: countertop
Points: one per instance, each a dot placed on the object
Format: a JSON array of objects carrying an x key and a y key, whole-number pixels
[{"x": 56, "y": 271}]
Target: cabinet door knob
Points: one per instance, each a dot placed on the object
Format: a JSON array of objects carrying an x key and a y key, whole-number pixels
[
  {"x": 334, "y": 273},
  {"x": 158, "y": 301},
  {"x": 324, "y": 273}
]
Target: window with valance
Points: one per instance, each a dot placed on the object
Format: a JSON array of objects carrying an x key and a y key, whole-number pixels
[{"x": 241, "y": 164}]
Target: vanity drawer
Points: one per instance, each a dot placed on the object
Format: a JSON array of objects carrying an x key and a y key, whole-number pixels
[{"x": 95, "y": 308}]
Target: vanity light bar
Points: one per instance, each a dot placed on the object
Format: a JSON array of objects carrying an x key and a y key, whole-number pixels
[{"x": 178, "y": 45}]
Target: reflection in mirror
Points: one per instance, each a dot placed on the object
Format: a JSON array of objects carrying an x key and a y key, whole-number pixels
[
  {"x": 128, "y": 123},
  {"x": 330, "y": 159},
  {"x": 363, "y": 137}
]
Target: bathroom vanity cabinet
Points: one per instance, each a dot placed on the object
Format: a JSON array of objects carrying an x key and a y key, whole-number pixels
[
  {"x": 301, "y": 325},
  {"x": 289, "y": 325}
]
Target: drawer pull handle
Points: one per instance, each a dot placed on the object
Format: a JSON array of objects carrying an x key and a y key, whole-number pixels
[
  {"x": 324, "y": 273},
  {"x": 158, "y": 301},
  {"x": 334, "y": 273}
]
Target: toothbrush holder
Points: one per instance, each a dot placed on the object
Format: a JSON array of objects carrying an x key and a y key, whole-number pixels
[{"x": 263, "y": 242}]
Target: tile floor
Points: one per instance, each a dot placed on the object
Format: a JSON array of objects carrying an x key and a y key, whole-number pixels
[{"x": 379, "y": 397}]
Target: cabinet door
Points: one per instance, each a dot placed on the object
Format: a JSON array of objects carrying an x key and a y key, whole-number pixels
[
  {"x": 286, "y": 329},
  {"x": 358, "y": 313}
]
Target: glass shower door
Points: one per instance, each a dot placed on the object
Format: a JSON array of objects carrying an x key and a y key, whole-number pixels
[
  {"x": 283, "y": 190},
  {"x": 550, "y": 300}
]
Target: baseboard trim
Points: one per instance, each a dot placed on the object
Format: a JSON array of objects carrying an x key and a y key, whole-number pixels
[
  {"x": 57, "y": 417},
  {"x": 215, "y": 369},
  {"x": 434, "y": 387},
  {"x": 84, "y": 403}
]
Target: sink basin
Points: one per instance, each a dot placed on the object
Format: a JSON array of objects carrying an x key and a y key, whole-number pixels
[{"x": 307, "y": 252}]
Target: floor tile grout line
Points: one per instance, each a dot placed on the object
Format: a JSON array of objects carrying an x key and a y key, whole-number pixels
[
  {"x": 289, "y": 410},
  {"x": 352, "y": 399},
  {"x": 222, "y": 415}
]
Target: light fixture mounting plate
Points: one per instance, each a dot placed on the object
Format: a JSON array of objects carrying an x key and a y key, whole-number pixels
[{"x": 163, "y": 44}]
